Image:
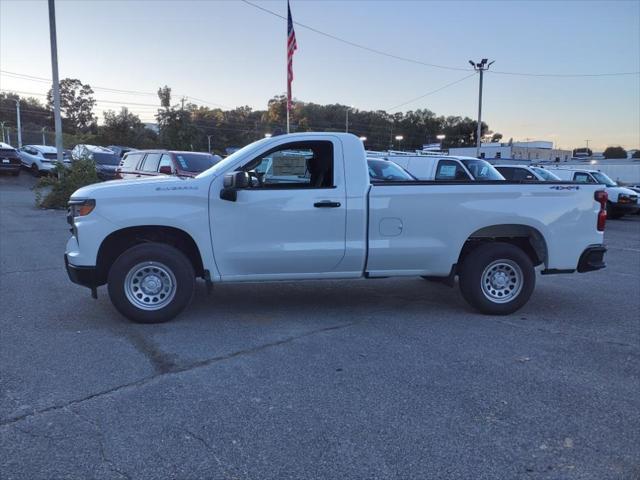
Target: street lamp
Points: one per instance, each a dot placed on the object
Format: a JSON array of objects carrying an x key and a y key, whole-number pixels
[
  {"x": 399, "y": 138},
  {"x": 480, "y": 67},
  {"x": 267, "y": 135},
  {"x": 209, "y": 142},
  {"x": 2, "y": 126},
  {"x": 346, "y": 123},
  {"x": 363, "y": 139},
  {"x": 44, "y": 140}
]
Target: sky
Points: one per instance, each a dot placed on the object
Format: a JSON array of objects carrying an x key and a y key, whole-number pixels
[{"x": 230, "y": 53}]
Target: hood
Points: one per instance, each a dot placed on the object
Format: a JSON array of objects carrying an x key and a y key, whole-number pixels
[
  {"x": 120, "y": 188},
  {"x": 614, "y": 192}
]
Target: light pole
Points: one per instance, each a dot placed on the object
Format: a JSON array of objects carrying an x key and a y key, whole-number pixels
[
  {"x": 56, "y": 83},
  {"x": 267, "y": 135},
  {"x": 441, "y": 137},
  {"x": 2, "y": 125},
  {"x": 44, "y": 140},
  {"x": 346, "y": 122},
  {"x": 399, "y": 138},
  {"x": 18, "y": 123},
  {"x": 587, "y": 152},
  {"x": 209, "y": 142},
  {"x": 480, "y": 67}
]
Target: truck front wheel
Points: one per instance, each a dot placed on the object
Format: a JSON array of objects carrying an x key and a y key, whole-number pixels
[
  {"x": 151, "y": 283},
  {"x": 497, "y": 278}
]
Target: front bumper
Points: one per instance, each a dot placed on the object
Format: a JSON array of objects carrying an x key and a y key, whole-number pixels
[
  {"x": 592, "y": 259},
  {"x": 10, "y": 167},
  {"x": 625, "y": 208},
  {"x": 85, "y": 276}
]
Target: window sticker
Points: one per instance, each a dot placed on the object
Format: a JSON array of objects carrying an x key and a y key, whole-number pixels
[
  {"x": 183, "y": 164},
  {"x": 448, "y": 170}
]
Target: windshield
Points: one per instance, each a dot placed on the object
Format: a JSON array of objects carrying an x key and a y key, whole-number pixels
[
  {"x": 384, "y": 170},
  {"x": 231, "y": 159},
  {"x": 195, "y": 162},
  {"x": 602, "y": 178},
  {"x": 546, "y": 174},
  {"x": 482, "y": 170}
]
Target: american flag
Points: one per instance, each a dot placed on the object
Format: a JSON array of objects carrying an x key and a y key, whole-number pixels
[{"x": 292, "y": 46}]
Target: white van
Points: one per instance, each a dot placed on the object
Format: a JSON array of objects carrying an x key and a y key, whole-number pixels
[{"x": 443, "y": 168}]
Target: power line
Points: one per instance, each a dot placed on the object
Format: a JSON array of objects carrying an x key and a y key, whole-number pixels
[
  {"x": 431, "y": 92},
  {"x": 34, "y": 78},
  {"x": 426, "y": 64}
]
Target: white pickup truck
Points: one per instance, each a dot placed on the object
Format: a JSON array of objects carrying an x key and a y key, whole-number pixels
[{"x": 314, "y": 213}]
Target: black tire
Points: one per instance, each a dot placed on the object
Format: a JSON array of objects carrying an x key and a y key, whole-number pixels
[
  {"x": 473, "y": 269},
  {"x": 173, "y": 266},
  {"x": 34, "y": 170}
]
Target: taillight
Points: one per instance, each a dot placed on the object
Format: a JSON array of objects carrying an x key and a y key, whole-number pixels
[{"x": 601, "y": 197}]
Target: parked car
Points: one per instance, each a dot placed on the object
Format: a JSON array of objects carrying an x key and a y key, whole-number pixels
[
  {"x": 9, "y": 159},
  {"x": 120, "y": 150},
  {"x": 149, "y": 163},
  {"x": 106, "y": 160},
  {"x": 381, "y": 170},
  {"x": 621, "y": 201},
  {"x": 526, "y": 173},
  {"x": 149, "y": 240},
  {"x": 445, "y": 168},
  {"x": 40, "y": 159}
]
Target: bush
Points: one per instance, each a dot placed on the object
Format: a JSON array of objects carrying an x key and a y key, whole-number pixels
[
  {"x": 54, "y": 191},
  {"x": 615, "y": 152}
]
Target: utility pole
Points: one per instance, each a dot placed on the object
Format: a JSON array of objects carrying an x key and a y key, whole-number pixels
[
  {"x": 56, "y": 83},
  {"x": 209, "y": 141},
  {"x": 18, "y": 123},
  {"x": 480, "y": 67}
]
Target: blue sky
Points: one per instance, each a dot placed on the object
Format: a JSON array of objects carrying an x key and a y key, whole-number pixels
[{"x": 230, "y": 53}]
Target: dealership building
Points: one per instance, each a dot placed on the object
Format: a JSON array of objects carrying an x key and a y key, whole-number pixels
[{"x": 536, "y": 151}]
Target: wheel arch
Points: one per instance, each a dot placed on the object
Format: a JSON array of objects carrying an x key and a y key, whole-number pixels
[
  {"x": 526, "y": 237},
  {"x": 119, "y": 241}
]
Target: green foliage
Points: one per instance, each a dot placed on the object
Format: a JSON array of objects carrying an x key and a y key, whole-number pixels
[
  {"x": 125, "y": 128},
  {"x": 615, "y": 152},
  {"x": 54, "y": 191},
  {"x": 76, "y": 105}
]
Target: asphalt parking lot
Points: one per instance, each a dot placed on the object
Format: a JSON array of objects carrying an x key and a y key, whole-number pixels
[{"x": 388, "y": 379}]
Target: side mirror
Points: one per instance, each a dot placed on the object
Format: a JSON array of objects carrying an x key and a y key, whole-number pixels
[
  {"x": 233, "y": 182},
  {"x": 166, "y": 170}
]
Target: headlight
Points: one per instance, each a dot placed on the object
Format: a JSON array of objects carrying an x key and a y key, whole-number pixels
[{"x": 80, "y": 207}]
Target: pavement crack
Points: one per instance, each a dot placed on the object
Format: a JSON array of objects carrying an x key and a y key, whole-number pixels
[
  {"x": 101, "y": 443},
  {"x": 176, "y": 371},
  {"x": 211, "y": 449}
]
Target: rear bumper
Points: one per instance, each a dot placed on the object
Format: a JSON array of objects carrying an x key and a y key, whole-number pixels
[
  {"x": 592, "y": 259},
  {"x": 85, "y": 276}
]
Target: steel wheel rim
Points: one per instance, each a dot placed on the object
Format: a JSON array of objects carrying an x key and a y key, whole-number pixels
[
  {"x": 502, "y": 281},
  {"x": 150, "y": 286}
]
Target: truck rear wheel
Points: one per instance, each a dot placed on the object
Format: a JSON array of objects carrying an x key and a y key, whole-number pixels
[
  {"x": 497, "y": 278},
  {"x": 151, "y": 283}
]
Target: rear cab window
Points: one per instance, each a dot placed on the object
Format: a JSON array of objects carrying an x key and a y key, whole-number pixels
[
  {"x": 130, "y": 161},
  {"x": 151, "y": 162},
  {"x": 583, "y": 177}
]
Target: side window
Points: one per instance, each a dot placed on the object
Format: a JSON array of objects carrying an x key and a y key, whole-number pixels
[
  {"x": 294, "y": 165},
  {"x": 522, "y": 174},
  {"x": 582, "y": 177},
  {"x": 151, "y": 162},
  {"x": 131, "y": 160},
  {"x": 507, "y": 172},
  {"x": 165, "y": 161},
  {"x": 450, "y": 170}
]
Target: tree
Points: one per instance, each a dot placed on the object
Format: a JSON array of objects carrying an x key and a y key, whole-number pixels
[
  {"x": 76, "y": 105},
  {"x": 615, "y": 152},
  {"x": 164, "y": 93},
  {"x": 125, "y": 128},
  {"x": 496, "y": 137}
]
